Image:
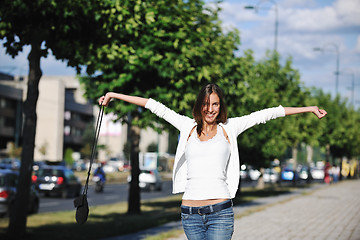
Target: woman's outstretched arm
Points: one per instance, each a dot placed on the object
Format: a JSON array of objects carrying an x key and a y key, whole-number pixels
[
  {"x": 140, "y": 101},
  {"x": 320, "y": 113}
]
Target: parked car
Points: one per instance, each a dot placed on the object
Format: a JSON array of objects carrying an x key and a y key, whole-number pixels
[
  {"x": 304, "y": 173},
  {"x": 79, "y": 166},
  {"x": 149, "y": 179},
  {"x": 254, "y": 174},
  {"x": 37, "y": 165},
  {"x": 57, "y": 180},
  {"x": 270, "y": 176},
  {"x": 243, "y": 172},
  {"x": 115, "y": 164},
  {"x": 10, "y": 163},
  {"x": 288, "y": 174},
  {"x": 317, "y": 173},
  {"x": 8, "y": 183}
]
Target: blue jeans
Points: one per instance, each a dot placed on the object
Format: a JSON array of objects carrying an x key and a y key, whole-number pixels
[{"x": 212, "y": 226}]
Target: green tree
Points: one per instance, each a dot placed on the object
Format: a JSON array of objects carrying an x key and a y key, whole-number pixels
[
  {"x": 266, "y": 83},
  {"x": 341, "y": 135},
  {"x": 43, "y": 149},
  {"x": 69, "y": 160},
  {"x": 88, "y": 140},
  {"x": 71, "y": 30},
  {"x": 13, "y": 151},
  {"x": 334, "y": 138},
  {"x": 153, "y": 147},
  {"x": 165, "y": 49}
]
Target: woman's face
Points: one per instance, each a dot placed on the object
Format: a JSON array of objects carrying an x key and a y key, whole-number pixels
[{"x": 211, "y": 109}]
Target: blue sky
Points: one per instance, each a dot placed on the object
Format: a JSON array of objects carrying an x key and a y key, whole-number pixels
[{"x": 303, "y": 25}]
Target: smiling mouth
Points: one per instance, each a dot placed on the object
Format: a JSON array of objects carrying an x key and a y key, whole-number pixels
[{"x": 210, "y": 115}]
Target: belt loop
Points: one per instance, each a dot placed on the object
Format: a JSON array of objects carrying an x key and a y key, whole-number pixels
[
  {"x": 190, "y": 210},
  {"x": 211, "y": 208}
]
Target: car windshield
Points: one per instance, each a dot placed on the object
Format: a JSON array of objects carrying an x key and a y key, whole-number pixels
[{"x": 49, "y": 172}]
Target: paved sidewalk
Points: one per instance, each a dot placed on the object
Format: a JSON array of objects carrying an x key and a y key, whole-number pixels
[
  {"x": 321, "y": 212},
  {"x": 332, "y": 212}
]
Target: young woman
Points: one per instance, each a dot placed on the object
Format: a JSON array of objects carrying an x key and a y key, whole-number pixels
[{"x": 206, "y": 166}]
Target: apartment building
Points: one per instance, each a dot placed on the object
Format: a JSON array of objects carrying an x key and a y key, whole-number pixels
[
  {"x": 10, "y": 112},
  {"x": 63, "y": 114}
]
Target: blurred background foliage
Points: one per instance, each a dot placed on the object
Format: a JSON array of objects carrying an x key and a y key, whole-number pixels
[{"x": 169, "y": 49}]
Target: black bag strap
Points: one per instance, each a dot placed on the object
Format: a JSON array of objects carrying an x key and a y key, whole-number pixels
[{"x": 93, "y": 150}]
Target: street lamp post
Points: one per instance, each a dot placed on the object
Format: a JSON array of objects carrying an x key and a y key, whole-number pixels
[
  {"x": 352, "y": 88},
  {"x": 257, "y": 7},
  {"x": 336, "y": 47}
]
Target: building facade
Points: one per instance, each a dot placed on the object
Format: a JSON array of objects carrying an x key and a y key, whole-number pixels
[
  {"x": 63, "y": 115},
  {"x": 10, "y": 112}
]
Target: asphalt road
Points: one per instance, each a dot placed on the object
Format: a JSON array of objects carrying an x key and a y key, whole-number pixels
[{"x": 113, "y": 193}]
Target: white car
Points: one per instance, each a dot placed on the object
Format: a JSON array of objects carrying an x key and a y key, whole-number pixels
[
  {"x": 254, "y": 174},
  {"x": 149, "y": 179},
  {"x": 270, "y": 176},
  {"x": 317, "y": 173}
]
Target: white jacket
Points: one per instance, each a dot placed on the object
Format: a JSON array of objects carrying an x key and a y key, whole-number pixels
[{"x": 233, "y": 127}]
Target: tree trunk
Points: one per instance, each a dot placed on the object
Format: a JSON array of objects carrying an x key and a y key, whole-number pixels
[
  {"x": 295, "y": 162},
  {"x": 18, "y": 217},
  {"x": 328, "y": 153},
  {"x": 261, "y": 184},
  {"x": 134, "y": 190},
  {"x": 294, "y": 156}
]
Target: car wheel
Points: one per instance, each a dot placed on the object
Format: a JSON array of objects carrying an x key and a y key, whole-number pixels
[{"x": 152, "y": 187}]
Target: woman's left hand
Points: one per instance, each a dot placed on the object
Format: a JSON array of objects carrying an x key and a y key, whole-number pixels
[{"x": 320, "y": 113}]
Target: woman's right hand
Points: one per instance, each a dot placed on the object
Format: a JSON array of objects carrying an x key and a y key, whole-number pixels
[{"x": 104, "y": 100}]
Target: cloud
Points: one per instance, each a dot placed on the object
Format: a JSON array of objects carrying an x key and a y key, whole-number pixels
[
  {"x": 297, "y": 3},
  {"x": 341, "y": 16},
  {"x": 357, "y": 47},
  {"x": 348, "y": 11}
]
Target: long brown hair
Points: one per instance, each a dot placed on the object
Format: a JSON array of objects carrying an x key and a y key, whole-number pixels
[{"x": 203, "y": 98}]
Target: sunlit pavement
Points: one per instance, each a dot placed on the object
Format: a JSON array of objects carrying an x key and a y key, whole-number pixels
[
  {"x": 321, "y": 212},
  {"x": 331, "y": 212}
]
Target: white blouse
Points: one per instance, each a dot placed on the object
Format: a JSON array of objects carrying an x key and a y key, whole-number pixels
[{"x": 206, "y": 164}]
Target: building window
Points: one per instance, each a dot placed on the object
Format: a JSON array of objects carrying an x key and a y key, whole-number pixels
[
  {"x": 7, "y": 103},
  {"x": 67, "y": 130},
  {"x": 2, "y": 103},
  {"x": 67, "y": 115},
  {"x": 2, "y": 121}
]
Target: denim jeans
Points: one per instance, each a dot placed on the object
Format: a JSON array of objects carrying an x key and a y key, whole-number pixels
[{"x": 212, "y": 226}]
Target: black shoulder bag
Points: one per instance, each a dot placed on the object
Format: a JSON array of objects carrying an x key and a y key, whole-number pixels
[{"x": 81, "y": 203}]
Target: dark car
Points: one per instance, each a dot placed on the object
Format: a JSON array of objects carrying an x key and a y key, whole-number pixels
[
  {"x": 10, "y": 163},
  {"x": 57, "y": 180},
  {"x": 8, "y": 183}
]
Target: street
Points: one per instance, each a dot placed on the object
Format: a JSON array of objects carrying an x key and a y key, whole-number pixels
[{"x": 113, "y": 193}]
